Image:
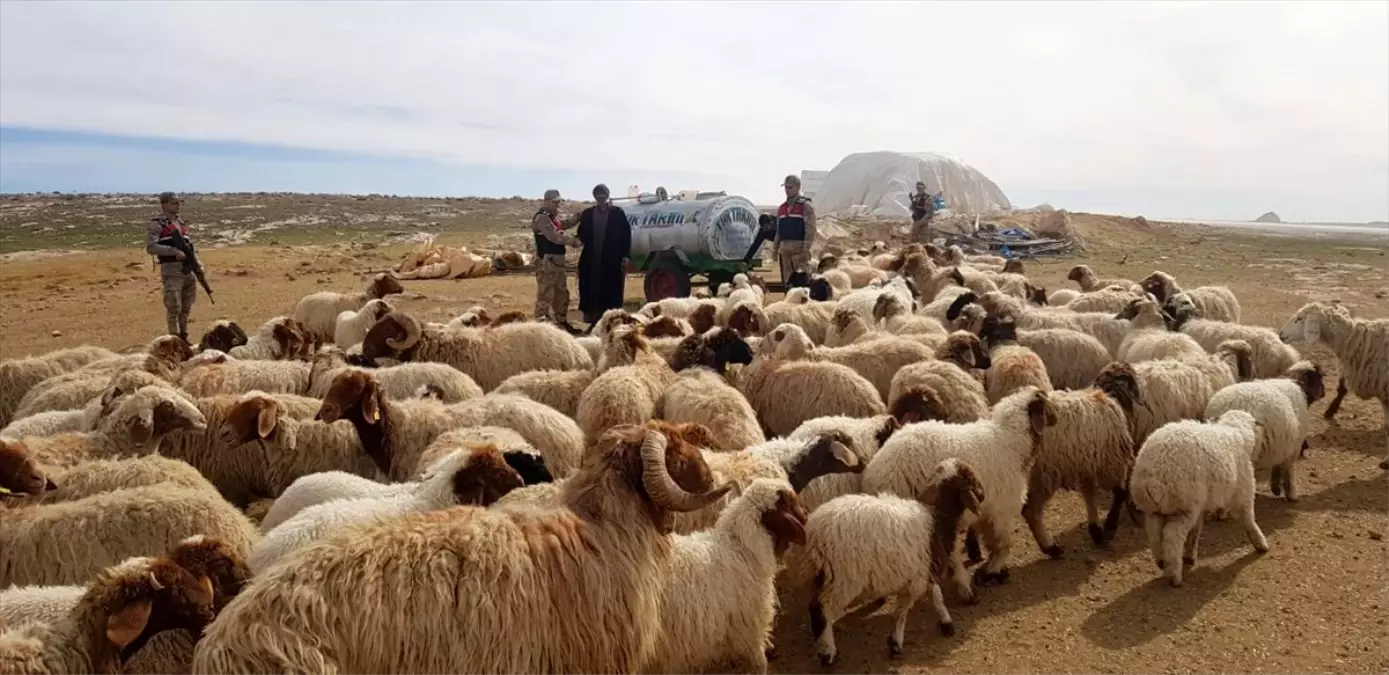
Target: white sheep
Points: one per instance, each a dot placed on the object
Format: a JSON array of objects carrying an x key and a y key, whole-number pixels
[
  {"x": 1361, "y": 346},
  {"x": 877, "y": 361},
  {"x": 860, "y": 548},
  {"x": 1280, "y": 406},
  {"x": 719, "y": 599},
  {"x": 750, "y": 319},
  {"x": 1011, "y": 365},
  {"x": 137, "y": 426},
  {"x": 1176, "y": 390},
  {"x": 895, "y": 317},
  {"x": 351, "y": 326},
  {"x": 1148, "y": 338},
  {"x": 1089, "y": 282},
  {"x": 787, "y": 390},
  {"x": 477, "y": 475},
  {"x": 1270, "y": 356},
  {"x": 240, "y": 376},
  {"x": 280, "y": 338},
  {"x": 701, "y": 394},
  {"x": 1213, "y": 302},
  {"x": 1001, "y": 451},
  {"x": 628, "y": 394},
  {"x": 319, "y": 312},
  {"x": 961, "y": 394},
  {"x": 1188, "y": 469}
]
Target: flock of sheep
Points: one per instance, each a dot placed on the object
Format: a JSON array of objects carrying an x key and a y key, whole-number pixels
[{"x": 351, "y": 489}]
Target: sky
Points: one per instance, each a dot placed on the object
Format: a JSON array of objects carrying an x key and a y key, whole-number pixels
[{"x": 1219, "y": 110}]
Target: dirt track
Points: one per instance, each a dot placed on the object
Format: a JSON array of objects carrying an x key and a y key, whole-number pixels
[{"x": 1316, "y": 603}]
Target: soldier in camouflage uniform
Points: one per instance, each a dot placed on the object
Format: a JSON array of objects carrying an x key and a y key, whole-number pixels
[
  {"x": 795, "y": 234},
  {"x": 180, "y": 288},
  {"x": 923, "y": 209},
  {"x": 551, "y": 283}
]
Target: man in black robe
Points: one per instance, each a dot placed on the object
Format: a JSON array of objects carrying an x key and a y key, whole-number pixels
[{"x": 606, "y": 258}]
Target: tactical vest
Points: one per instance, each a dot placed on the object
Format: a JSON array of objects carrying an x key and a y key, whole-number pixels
[
  {"x": 167, "y": 228},
  {"x": 790, "y": 220},
  {"x": 544, "y": 246}
]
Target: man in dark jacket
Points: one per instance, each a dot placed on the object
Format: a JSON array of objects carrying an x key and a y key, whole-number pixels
[{"x": 606, "y": 258}]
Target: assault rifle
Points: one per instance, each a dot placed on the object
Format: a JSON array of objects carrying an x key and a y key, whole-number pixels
[{"x": 190, "y": 261}]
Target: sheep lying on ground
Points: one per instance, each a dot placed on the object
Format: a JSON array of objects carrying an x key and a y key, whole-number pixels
[
  {"x": 319, "y": 312},
  {"x": 477, "y": 475},
  {"x": 1089, "y": 449},
  {"x": 1188, "y": 469},
  {"x": 587, "y": 603},
  {"x": 1001, "y": 451},
  {"x": 18, "y": 376},
  {"x": 1213, "y": 302},
  {"x": 104, "y": 529},
  {"x": 719, "y": 598},
  {"x": 488, "y": 355},
  {"x": 1361, "y": 345},
  {"x": 116, "y": 615},
  {"x": 860, "y": 548},
  {"x": 351, "y": 326},
  {"x": 1280, "y": 406}
]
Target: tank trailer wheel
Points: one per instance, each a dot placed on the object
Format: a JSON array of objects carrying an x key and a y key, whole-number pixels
[{"x": 666, "y": 278}]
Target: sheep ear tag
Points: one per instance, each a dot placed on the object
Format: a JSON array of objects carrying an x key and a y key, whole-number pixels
[
  {"x": 373, "y": 414},
  {"x": 125, "y": 624}
]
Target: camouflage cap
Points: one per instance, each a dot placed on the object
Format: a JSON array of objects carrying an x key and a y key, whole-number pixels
[
  {"x": 552, "y": 194},
  {"x": 167, "y": 197},
  {"x": 791, "y": 181}
]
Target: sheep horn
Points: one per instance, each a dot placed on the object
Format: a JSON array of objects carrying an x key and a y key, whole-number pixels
[
  {"x": 412, "y": 333},
  {"x": 154, "y": 583},
  {"x": 663, "y": 489}
]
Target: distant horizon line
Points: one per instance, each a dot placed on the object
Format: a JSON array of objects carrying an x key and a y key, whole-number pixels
[{"x": 383, "y": 195}]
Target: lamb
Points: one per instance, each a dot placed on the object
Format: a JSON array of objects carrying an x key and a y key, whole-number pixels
[
  {"x": 1188, "y": 469},
  {"x": 351, "y": 326},
  {"x": 106, "y": 528},
  {"x": 877, "y": 361},
  {"x": 446, "y": 383},
  {"x": 1090, "y": 448},
  {"x": 319, "y": 312},
  {"x": 740, "y": 291},
  {"x": 1280, "y": 406},
  {"x": 123, "y": 608},
  {"x": 1012, "y": 366},
  {"x": 1213, "y": 302},
  {"x": 489, "y": 356},
  {"x": 700, "y": 394},
  {"x": 1361, "y": 346},
  {"x": 280, "y": 338},
  {"x": 910, "y": 549},
  {"x": 1000, "y": 449},
  {"x": 237, "y": 377},
  {"x": 629, "y": 483},
  {"x": 1270, "y": 356},
  {"x": 961, "y": 394},
  {"x": 739, "y": 558},
  {"x": 897, "y": 318},
  {"x": 394, "y": 434},
  {"x": 476, "y": 475},
  {"x": 136, "y": 427},
  {"x": 222, "y": 336},
  {"x": 1148, "y": 337},
  {"x": 18, "y": 376},
  {"x": 1088, "y": 282}
]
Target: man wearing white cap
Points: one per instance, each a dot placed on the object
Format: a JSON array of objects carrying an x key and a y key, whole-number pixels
[
  {"x": 551, "y": 284},
  {"x": 795, "y": 234}
]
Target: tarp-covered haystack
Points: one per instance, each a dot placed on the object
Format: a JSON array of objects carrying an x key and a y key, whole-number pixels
[
  {"x": 433, "y": 261},
  {"x": 881, "y": 183}
]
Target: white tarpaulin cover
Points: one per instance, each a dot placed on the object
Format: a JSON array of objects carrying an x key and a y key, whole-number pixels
[{"x": 881, "y": 183}]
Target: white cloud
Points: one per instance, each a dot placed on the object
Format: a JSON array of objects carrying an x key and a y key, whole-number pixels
[{"x": 1285, "y": 99}]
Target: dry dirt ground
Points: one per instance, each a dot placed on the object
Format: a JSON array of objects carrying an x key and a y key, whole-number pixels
[{"x": 1316, "y": 603}]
